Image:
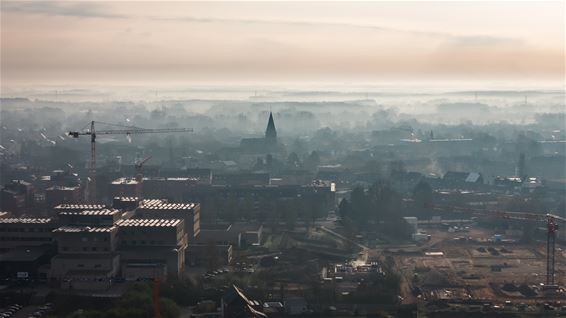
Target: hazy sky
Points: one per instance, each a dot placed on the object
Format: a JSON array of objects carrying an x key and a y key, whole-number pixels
[{"x": 226, "y": 42}]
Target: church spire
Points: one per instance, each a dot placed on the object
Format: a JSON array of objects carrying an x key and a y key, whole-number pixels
[{"x": 270, "y": 132}]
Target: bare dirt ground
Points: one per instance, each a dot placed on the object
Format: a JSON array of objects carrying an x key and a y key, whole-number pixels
[{"x": 473, "y": 267}]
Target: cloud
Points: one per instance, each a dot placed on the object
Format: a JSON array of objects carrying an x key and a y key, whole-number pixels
[
  {"x": 68, "y": 9},
  {"x": 463, "y": 39},
  {"x": 475, "y": 41}
]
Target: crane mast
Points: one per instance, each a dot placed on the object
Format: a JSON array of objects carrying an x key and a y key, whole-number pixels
[
  {"x": 91, "y": 185},
  {"x": 125, "y": 130},
  {"x": 139, "y": 177}
]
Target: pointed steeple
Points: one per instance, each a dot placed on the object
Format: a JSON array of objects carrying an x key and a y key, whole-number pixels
[{"x": 270, "y": 132}]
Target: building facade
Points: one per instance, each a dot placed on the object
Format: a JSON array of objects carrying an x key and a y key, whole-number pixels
[{"x": 152, "y": 248}]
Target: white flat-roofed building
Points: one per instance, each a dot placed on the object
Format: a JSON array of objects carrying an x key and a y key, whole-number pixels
[
  {"x": 123, "y": 187},
  {"x": 86, "y": 271},
  {"x": 79, "y": 207},
  {"x": 161, "y": 209},
  {"x": 56, "y": 195},
  {"x": 16, "y": 232},
  {"x": 87, "y": 257},
  {"x": 152, "y": 248},
  {"x": 105, "y": 217},
  {"x": 86, "y": 240},
  {"x": 125, "y": 203}
]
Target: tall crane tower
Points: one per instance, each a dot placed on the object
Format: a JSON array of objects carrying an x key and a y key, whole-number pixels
[
  {"x": 139, "y": 177},
  {"x": 124, "y": 130},
  {"x": 551, "y": 221}
]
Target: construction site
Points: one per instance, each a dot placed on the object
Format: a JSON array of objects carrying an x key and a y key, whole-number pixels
[{"x": 478, "y": 269}]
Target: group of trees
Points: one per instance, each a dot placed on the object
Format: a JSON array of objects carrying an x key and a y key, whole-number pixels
[
  {"x": 379, "y": 206},
  {"x": 289, "y": 211},
  {"x": 309, "y": 161},
  {"x": 378, "y": 203},
  {"x": 422, "y": 199}
]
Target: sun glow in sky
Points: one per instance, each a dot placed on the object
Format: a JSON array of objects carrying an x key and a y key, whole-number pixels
[{"x": 227, "y": 42}]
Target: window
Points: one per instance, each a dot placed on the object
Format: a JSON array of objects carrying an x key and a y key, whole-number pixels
[
  {"x": 85, "y": 249},
  {"x": 97, "y": 266},
  {"x": 80, "y": 265},
  {"x": 65, "y": 248},
  {"x": 94, "y": 249}
]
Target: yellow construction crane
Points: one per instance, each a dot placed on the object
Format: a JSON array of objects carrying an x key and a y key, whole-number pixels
[{"x": 124, "y": 130}]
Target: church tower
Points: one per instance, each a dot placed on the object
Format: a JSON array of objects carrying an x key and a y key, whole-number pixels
[{"x": 270, "y": 132}]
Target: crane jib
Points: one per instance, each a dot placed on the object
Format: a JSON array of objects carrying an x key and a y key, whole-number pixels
[{"x": 126, "y": 130}]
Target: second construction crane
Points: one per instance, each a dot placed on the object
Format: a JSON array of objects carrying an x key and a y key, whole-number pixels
[{"x": 124, "y": 130}]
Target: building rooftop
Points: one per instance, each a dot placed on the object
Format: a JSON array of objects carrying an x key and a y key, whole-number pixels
[
  {"x": 126, "y": 199},
  {"x": 26, "y": 220},
  {"x": 61, "y": 188},
  {"x": 83, "y": 229},
  {"x": 149, "y": 222},
  {"x": 81, "y": 207},
  {"x": 91, "y": 212},
  {"x": 157, "y": 204},
  {"x": 125, "y": 181},
  {"x": 153, "y": 201},
  {"x": 172, "y": 179}
]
